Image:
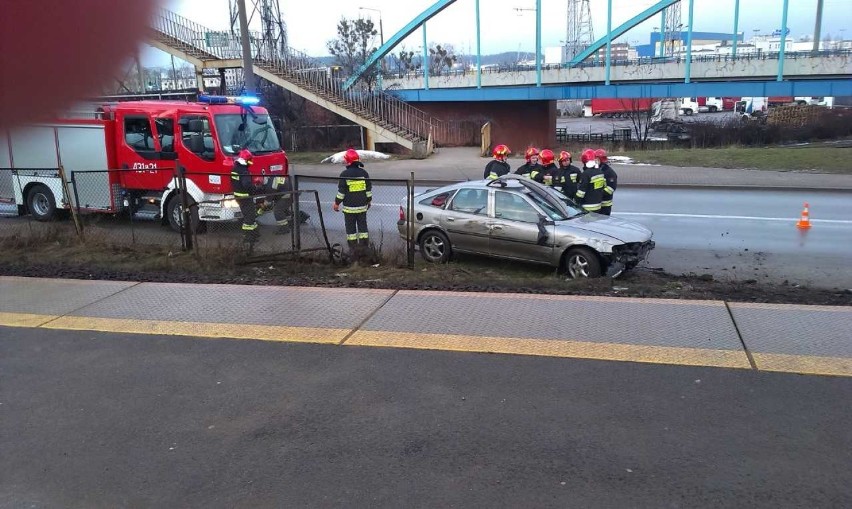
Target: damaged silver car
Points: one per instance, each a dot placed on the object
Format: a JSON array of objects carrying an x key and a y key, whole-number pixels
[{"x": 516, "y": 218}]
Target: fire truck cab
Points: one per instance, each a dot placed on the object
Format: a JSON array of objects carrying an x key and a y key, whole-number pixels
[{"x": 139, "y": 145}]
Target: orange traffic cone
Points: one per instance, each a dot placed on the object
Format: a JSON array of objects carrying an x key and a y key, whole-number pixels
[{"x": 805, "y": 221}]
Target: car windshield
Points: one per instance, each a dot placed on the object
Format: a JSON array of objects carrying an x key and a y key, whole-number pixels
[
  {"x": 239, "y": 131},
  {"x": 572, "y": 209}
]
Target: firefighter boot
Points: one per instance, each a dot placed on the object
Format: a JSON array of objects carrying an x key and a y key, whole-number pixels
[
  {"x": 353, "y": 251},
  {"x": 364, "y": 250},
  {"x": 283, "y": 227},
  {"x": 251, "y": 236}
]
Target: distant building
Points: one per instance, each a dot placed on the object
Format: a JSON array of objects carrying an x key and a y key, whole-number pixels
[{"x": 698, "y": 39}]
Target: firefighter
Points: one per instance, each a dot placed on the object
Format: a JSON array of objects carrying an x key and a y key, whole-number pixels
[
  {"x": 548, "y": 172},
  {"x": 611, "y": 181},
  {"x": 283, "y": 208},
  {"x": 245, "y": 189},
  {"x": 355, "y": 192},
  {"x": 498, "y": 167},
  {"x": 569, "y": 175},
  {"x": 590, "y": 188},
  {"x": 531, "y": 155}
]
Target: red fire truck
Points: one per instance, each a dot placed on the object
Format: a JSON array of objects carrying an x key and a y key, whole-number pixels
[{"x": 140, "y": 143}]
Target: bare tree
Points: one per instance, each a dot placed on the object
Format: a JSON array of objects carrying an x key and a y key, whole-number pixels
[
  {"x": 441, "y": 58},
  {"x": 639, "y": 113},
  {"x": 353, "y": 46},
  {"x": 405, "y": 62}
]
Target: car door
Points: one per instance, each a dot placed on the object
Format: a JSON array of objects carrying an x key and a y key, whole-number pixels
[
  {"x": 138, "y": 150},
  {"x": 516, "y": 231},
  {"x": 466, "y": 220}
]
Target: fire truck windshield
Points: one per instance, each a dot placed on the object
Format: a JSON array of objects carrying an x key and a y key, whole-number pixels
[{"x": 237, "y": 132}]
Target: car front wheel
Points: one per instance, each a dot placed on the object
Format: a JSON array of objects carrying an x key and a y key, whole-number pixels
[
  {"x": 582, "y": 262},
  {"x": 435, "y": 247}
]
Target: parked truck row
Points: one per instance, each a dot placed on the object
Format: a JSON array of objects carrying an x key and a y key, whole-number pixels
[{"x": 618, "y": 108}]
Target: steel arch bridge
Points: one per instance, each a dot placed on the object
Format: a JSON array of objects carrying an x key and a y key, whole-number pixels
[{"x": 681, "y": 80}]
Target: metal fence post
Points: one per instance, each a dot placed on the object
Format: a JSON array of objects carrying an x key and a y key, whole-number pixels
[
  {"x": 409, "y": 230},
  {"x": 77, "y": 205},
  {"x": 297, "y": 219}
]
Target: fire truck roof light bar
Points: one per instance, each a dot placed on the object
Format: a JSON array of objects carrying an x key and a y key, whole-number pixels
[{"x": 245, "y": 100}]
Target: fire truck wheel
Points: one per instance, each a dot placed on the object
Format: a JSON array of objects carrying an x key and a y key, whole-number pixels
[
  {"x": 41, "y": 203},
  {"x": 174, "y": 210}
]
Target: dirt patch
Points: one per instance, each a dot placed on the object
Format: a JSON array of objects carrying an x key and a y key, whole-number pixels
[{"x": 472, "y": 274}]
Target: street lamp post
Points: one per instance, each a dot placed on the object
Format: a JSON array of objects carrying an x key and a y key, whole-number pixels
[{"x": 381, "y": 30}]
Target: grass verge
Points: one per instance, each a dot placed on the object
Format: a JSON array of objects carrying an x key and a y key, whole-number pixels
[
  {"x": 807, "y": 159},
  {"x": 466, "y": 274}
]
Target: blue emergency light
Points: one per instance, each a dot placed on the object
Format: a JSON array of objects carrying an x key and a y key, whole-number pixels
[{"x": 245, "y": 100}]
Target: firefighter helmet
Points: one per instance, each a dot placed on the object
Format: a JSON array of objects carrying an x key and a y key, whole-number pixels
[
  {"x": 245, "y": 157},
  {"x": 500, "y": 152},
  {"x": 565, "y": 156},
  {"x": 530, "y": 153},
  {"x": 601, "y": 155},
  {"x": 588, "y": 158},
  {"x": 350, "y": 156},
  {"x": 547, "y": 156}
]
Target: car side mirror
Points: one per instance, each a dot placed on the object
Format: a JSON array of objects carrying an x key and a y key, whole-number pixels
[{"x": 544, "y": 221}]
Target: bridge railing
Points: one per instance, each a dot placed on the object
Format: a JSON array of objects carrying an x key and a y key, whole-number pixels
[{"x": 509, "y": 68}]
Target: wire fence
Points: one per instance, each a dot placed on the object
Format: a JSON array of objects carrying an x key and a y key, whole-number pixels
[
  {"x": 294, "y": 216},
  {"x": 390, "y": 238}
]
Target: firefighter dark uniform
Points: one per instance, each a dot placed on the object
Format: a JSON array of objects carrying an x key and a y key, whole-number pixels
[
  {"x": 569, "y": 177},
  {"x": 547, "y": 175},
  {"x": 355, "y": 193},
  {"x": 527, "y": 168},
  {"x": 609, "y": 191},
  {"x": 496, "y": 169},
  {"x": 283, "y": 208},
  {"x": 590, "y": 188},
  {"x": 244, "y": 192}
]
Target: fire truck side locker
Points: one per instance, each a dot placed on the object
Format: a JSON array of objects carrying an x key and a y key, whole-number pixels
[{"x": 35, "y": 155}]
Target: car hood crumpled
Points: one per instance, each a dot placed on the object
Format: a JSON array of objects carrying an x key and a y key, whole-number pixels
[{"x": 620, "y": 229}]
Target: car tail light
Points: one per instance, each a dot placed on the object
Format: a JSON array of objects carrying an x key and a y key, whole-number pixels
[{"x": 401, "y": 213}]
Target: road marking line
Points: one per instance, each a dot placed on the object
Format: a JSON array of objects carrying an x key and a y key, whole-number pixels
[
  {"x": 201, "y": 329},
  {"x": 25, "y": 319},
  {"x": 553, "y": 348},
  {"x": 710, "y": 216},
  {"x": 804, "y": 364}
]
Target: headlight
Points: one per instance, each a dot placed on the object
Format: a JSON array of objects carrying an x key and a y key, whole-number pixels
[{"x": 230, "y": 204}]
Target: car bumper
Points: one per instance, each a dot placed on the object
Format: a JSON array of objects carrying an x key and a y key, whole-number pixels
[{"x": 630, "y": 255}]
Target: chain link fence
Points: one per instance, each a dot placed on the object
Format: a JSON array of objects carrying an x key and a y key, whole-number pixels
[
  {"x": 93, "y": 207},
  {"x": 388, "y": 241}
]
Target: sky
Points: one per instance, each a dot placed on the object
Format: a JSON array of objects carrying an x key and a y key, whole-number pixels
[{"x": 312, "y": 23}]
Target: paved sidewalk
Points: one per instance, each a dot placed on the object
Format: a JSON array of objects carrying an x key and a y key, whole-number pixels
[
  {"x": 455, "y": 164},
  {"x": 786, "y": 338}
]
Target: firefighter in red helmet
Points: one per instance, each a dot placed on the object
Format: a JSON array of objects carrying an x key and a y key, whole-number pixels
[
  {"x": 590, "y": 189},
  {"x": 548, "y": 172},
  {"x": 355, "y": 193},
  {"x": 498, "y": 166},
  {"x": 611, "y": 181},
  {"x": 245, "y": 188},
  {"x": 569, "y": 175},
  {"x": 531, "y": 155}
]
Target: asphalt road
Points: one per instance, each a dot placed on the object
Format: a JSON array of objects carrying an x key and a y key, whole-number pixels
[
  {"x": 109, "y": 420},
  {"x": 728, "y": 233}
]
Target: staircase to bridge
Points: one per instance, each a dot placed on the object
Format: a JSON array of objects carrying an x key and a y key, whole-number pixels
[{"x": 385, "y": 117}]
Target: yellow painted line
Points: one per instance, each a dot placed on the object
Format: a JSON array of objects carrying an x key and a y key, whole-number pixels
[
  {"x": 200, "y": 329},
  {"x": 804, "y": 364},
  {"x": 554, "y": 348},
  {"x": 24, "y": 319}
]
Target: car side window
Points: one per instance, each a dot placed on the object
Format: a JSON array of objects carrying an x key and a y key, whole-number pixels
[
  {"x": 513, "y": 207},
  {"x": 439, "y": 200},
  {"x": 471, "y": 201},
  {"x": 166, "y": 133}
]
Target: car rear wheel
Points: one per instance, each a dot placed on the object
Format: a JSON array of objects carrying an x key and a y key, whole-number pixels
[
  {"x": 582, "y": 262},
  {"x": 713, "y": 109},
  {"x": 435, "y": 247}
]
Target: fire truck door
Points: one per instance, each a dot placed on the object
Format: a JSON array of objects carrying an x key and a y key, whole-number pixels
[
  {"x": 197, "y": 153},
  {"x": 138, "y": 152}
]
